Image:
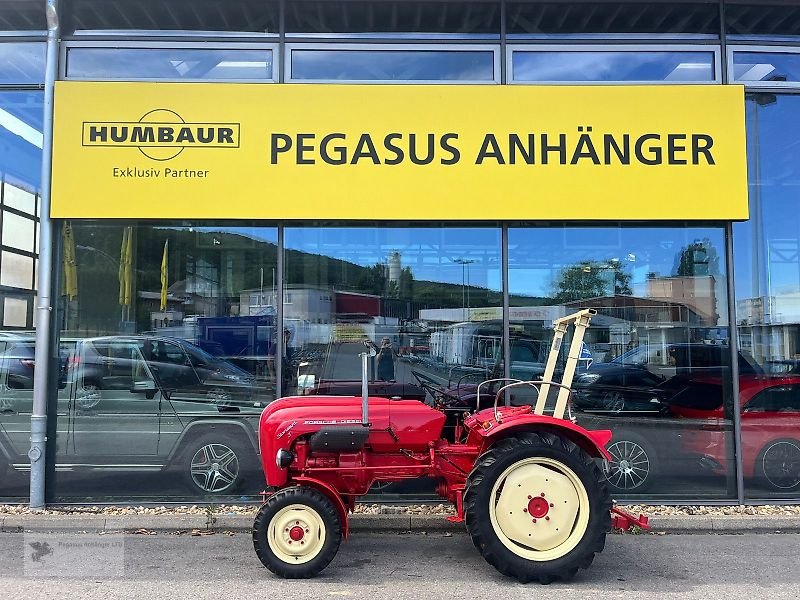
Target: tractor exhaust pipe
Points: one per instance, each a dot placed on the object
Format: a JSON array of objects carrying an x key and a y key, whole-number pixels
[{"x": 365, "y": 356}]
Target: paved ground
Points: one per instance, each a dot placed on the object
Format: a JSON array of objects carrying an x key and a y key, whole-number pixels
[{"x": 414, "y": 566}]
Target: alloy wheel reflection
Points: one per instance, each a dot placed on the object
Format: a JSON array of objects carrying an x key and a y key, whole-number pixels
[
  {"x": 215, "y": 468},
  {"x": 6, "y": 401},
  {"x": 781, "y": 464},
  {"x": 612, "y": 402},
  {"x": 88, "y": 396},
  {"x": 629, "y": 466}
]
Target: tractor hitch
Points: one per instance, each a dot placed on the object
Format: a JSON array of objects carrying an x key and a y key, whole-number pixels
[{"x": 623, "y": 520}]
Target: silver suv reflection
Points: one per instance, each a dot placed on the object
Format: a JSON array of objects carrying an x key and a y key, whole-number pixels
[{"x": 143, "y": 403}]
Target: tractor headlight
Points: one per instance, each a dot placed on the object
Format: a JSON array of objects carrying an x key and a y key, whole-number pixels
[{"x": 284, "y": 458}]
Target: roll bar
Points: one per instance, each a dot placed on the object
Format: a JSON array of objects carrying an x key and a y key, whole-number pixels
[
  {"x": 478, "y": 401},
  {"x": 538, "y": 385},
  {"x": 580, "y": 320}
]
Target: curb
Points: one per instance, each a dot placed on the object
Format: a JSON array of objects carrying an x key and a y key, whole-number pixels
[{"x": 367, "y": 523}]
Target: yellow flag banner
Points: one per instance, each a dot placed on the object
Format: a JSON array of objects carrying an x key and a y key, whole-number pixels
[
  {"x": 129, "y": 268},
  {"x": 70, "y": 265},
  {"x": 126, "y": 267},
  {"x": 164, "y": 279},
  {"x": 121, "y": 274}
]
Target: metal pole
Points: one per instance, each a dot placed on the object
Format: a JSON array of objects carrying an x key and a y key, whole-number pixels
[
  {"x": 463, "y": 289},
  {"x": 506, "y": 306},
  {"x": 733, "y": 331},
  {"x": 281, "y": 42},
  {"x": 365, "y": 388},
  {"x": 503, "y": 38},
  {"x": 733, "y": 342},
  {"x": 44, "y": 309},
  {"x": 280, "y": 347}
]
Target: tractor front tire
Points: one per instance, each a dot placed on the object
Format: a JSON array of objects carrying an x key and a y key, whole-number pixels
[
  {"x": 537, "y": 507},
  {"x": 297, "y": 532}
]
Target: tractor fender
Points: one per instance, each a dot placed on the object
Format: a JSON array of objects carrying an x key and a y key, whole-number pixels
[
  {"x": 594, "y": 441},
  {"x": 331, "y": 494}
]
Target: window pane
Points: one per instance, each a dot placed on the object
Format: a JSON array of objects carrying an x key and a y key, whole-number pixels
[
  {"x": 767, "y": 292},
  {"x": 16, "y": 270},
  {"x": 613, "y": 66},
  {"x": 542, "y": 18},
  {"x": 18, "y": 198},
  {"x": 171, "y": 63},
  {"x": 22, "y": 62},
  {"x": 429, "y": 298},
  {"x": 392, "y": 65},
  {"x": 17, "y": 232},
  {"x": 752, "y": 17},
  {"x": 21, "y": 116},
  {"x": 15, "y": 312},
  {"x": 655, "y": 365},
  {"x": 22, "y": 15},
  {"x": 254, "y": 16},
  {"x": 394, "y": 18},
  {"x": 204, "y": 360},
  {"x": 16, "y": 404},
  {"x": 762, "y": 66}
]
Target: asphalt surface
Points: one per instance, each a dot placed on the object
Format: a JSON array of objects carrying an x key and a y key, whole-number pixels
[{"x": 396, "y": 567}]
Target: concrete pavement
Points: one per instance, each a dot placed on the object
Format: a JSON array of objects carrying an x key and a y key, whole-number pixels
[{"x": 416, "y": 566}]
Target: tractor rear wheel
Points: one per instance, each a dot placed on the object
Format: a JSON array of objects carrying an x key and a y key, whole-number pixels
[
  {"x": 537, "y": 507},
  {"x": 297, "y": 532}
]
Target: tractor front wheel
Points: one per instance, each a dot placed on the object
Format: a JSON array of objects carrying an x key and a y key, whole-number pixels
[
  {"x": 537, "y": 507},
  {"x": 297, "y": 532}
]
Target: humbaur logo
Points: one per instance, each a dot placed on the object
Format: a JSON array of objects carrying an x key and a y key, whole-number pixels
[{"x": 161, "y": 134}]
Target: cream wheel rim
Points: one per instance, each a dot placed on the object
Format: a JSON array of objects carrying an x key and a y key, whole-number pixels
[
  {"x": 539, "y": 509},
  {"x": 296, "y": 534}
]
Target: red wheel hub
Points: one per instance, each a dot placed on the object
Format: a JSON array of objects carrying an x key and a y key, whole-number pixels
[
  {"x": 296, "y": 533},
  {"x": 538, "y": 507}
]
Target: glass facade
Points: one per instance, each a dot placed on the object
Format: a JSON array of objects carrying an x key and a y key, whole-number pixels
[
  {"x": 20, "y": 175},
  {"x": 767, "y": 286},
  {"x": 657, "y": 353},
  {"x": 603, "y": 65},
  {"x": 173, "y": 335},
  {"x": 193, "y": 63},
  {"x": 355, "y": 64},
  {"x": 169, "y": 336}
]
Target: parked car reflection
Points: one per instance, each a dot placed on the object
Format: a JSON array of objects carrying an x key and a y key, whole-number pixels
[
  {"x": 181, "y": 370},
  {"x": 146, "y": 405},
  {"x": 639, "y": 396},
  {"x": 770, "y": 416}
]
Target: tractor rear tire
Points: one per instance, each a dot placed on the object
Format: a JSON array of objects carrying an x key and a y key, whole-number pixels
[
  {"x": 297, "y": 532},
  {"x": 537, "y": 507}
]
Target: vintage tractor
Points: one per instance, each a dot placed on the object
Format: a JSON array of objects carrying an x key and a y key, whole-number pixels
[{"x": 528, "y": 485}]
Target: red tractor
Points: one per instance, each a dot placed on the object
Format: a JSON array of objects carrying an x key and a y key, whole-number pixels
[{"x": 527, "y": 484}]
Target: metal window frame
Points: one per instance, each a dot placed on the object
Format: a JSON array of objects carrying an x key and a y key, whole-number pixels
[
  {"x": 617, "y": 38},
  {"x": 731, "y": 51},
  {"x": 493, "y": 48},
  {"x": 22, "y": 85},
  {"x": 23, "y": 36},
  {"x": 165, "y": 36},
  {"x": 141, "y": 45},
  {"x": 714, "y": 49}
]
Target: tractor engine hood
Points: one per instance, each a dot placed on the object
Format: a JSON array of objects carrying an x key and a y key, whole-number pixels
[{"x": 394, "y": 425}]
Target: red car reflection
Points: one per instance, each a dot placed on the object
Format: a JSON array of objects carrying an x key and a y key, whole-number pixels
[{"x": 770, "y": 432}]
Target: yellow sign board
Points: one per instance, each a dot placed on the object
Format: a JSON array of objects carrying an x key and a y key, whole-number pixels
[{"x": 261, "y": 151}]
